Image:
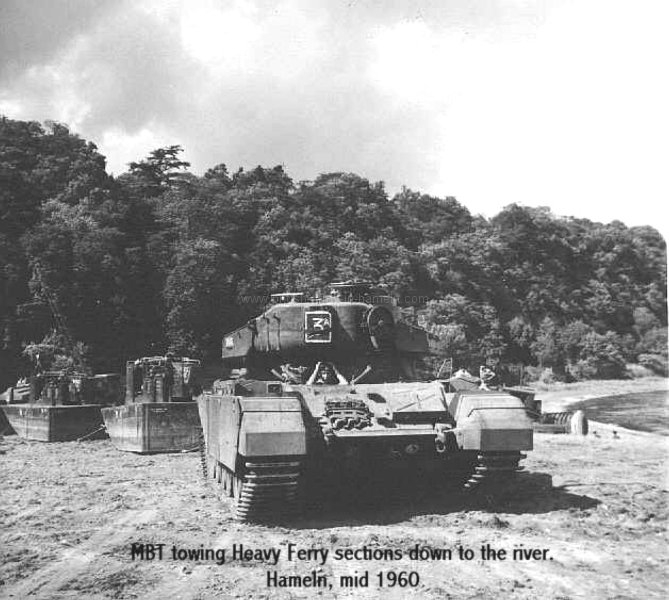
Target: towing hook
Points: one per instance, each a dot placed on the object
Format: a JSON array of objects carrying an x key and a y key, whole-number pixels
[{"x": 440, "y": 442}]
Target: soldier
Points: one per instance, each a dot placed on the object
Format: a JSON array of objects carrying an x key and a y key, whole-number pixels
[
  {"x": 487, "y": 377},
  {"x": 326, "y": 373}
]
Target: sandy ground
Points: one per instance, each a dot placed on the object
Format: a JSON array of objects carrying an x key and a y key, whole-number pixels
[{"x": 71, "y": 512}]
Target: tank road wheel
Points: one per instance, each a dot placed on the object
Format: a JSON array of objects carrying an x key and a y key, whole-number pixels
[
  {"x": 492, "y": 468},
  {"x": 578, "y": 424},
  {"x": 265, "y": 489}
]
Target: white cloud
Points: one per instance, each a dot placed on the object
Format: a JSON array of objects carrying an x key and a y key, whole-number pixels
[
  {"x": 50, "y": 89},
  {"x": 571, "y": 117},
  {"x": 220, "y": 37},
  {"x": 122, "y": 147},
  {"x": 410, "y": 60},
  {"x": 12, "y": 106},
  {"x": 557, "y": 103}
]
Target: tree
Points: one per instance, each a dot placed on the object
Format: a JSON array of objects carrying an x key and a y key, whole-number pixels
[
  {"x": 161, "y": 170},
  {"x": 433, "y": 219},
  {"x": 162, "y": 258},
  {"x": 37, "y": 165},
  {"x": 460, "y": 318}
]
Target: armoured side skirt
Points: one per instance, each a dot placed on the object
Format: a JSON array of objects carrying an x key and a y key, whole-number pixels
[
  {"x": 55, "y": 423},
  {"x": 153, "y": 427},
  {"x": 257, "y": 427},
  {"x": 272, "y": 434},
  {"x": 493, "y": 440}
]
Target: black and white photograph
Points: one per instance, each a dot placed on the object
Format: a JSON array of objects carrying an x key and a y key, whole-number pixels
[{"x": 334, "y": 299}]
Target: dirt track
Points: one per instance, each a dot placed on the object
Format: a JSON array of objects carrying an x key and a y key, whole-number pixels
[{"x": 71, "y": 512}]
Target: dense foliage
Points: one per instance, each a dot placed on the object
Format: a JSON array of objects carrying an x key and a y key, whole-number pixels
[{"x": 160, "y": 259}]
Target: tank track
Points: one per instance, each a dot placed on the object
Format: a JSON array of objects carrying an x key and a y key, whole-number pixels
[
  {"x": 574, "y": 422},
  {"x": 493, "y": 468},
  {"x": 266, "y": 489},
  {"x": 557, "y": 418},
  {"x": 203, "y": 456}
]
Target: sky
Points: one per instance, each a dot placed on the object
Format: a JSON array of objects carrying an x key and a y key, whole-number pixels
[{"x": 558, "y": 103}]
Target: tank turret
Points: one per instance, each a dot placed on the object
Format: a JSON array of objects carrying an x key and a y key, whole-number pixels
[{"x": 356, "y": 327}]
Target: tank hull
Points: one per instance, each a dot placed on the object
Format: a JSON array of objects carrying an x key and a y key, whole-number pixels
[
  {"x": 56, "y": 423},
  {"x": 154, "y": 427},
  {"x": 263, "y": 447}
]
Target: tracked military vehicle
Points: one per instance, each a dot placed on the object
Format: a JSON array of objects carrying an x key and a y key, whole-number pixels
[
  {"x": 327, "y": 388},
  {"x": 159, "y": 414}
]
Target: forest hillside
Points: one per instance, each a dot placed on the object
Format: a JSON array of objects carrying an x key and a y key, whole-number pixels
[{"x": 160, "y": 259}]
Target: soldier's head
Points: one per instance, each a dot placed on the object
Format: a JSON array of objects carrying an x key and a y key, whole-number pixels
[{"x": 326, "y": 374}]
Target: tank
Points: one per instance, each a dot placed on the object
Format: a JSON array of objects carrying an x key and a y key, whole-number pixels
[
  {"x": 329, "y": 390},
  {"x": 62, "y": 405},
  {"x": 159, "y": 414}
]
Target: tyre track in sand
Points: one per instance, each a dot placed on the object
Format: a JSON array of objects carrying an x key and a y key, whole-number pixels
[{"x": 47, "y": 581}]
